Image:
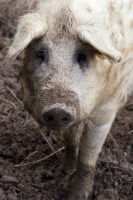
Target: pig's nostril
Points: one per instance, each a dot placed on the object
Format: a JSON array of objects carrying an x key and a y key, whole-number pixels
[
  {"x": 65, "y": 120},
  {"x": 50, "y": 118},
  {"x": 57, "y": 118}
]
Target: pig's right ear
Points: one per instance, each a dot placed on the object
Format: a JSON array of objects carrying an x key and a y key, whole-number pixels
[{"x": 30, "y": 26}]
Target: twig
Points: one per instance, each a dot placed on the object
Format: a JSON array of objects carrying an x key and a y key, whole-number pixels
[
  {"x": 129, "y": 170},
  {"x": 48, "y": 142},
  {"x": 37, "y": 161},
  {"x": 102, "y": 171},
  {"x": 130, "y": 132},
  {"x": 5, "y": 20},
  {"x": 117, "y": 148},
  {"x": 2, "y": 91},
  {"x": 29, "y": 156},
  {"x": 14, "y": 95},
  {"x": 6, "y": 101},
  {"x": 112, "y": 162}
]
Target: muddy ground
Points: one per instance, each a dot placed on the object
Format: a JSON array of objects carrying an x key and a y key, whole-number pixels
[{"x": 22, "y": 141}]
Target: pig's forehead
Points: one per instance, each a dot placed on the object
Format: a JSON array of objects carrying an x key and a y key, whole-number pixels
[
  {"x": 59, "y": 42},
  {"x": 61, "y": 29},
  {"x": 61, "y": 23}
]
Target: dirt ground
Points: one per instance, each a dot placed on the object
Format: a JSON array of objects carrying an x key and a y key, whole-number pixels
[{"x": 29, "y": 163}]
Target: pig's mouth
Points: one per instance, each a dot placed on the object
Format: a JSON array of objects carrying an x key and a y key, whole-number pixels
[{"x": 58, "y": 117}]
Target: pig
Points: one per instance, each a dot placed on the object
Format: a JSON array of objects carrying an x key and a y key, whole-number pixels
[{"x": 76, "y": 74}]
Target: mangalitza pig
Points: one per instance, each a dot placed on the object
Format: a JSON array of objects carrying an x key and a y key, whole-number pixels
[{"x": 76, "y": 73}]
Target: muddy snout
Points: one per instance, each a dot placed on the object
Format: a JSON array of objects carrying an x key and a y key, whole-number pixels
[{"x": 58, "y": 117}]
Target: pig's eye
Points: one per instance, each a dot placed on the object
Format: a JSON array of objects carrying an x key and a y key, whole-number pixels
[
  {"x": 82, "y": 59},
  {"x": 40, "y": 55}
]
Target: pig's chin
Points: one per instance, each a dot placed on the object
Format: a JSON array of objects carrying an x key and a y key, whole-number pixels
[{"x": 56, "y": 128}]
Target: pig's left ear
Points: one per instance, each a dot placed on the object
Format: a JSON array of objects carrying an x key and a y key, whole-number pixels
[
  {"x": 96, "y": 36},
  {"x": 29, "y": 27}
]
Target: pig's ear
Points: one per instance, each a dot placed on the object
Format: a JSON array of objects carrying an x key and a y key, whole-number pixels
[
  {"x": 30, "y": 26},
  {"x": 96, "y": 36}
]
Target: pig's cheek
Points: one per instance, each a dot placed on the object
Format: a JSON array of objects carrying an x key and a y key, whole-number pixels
[{"x": 87, "y": 103}]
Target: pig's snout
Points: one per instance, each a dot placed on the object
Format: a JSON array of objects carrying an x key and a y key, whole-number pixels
[{"x": 58, "y": 118}]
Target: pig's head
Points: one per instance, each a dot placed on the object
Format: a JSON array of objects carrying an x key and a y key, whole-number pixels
[{"x": 62, "y": 75}]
